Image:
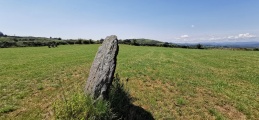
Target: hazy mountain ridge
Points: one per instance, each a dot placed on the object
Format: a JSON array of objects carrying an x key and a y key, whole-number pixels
[{"x": 249, "y": 44}]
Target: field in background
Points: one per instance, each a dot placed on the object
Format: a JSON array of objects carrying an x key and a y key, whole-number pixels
[{"x": 168, "y": 82}]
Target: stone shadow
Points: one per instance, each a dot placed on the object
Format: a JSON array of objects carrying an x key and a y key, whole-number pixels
[{"x": 121, "y": 103}]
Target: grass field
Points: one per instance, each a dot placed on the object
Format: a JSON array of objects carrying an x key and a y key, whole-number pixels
[{"x": 169, "y": 83}]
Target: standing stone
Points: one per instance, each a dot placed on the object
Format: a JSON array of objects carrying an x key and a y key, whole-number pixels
[{"x": 103, "y": 68}]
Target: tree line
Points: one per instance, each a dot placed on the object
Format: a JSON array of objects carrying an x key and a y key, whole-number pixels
[
  {"x": 17, "y": 41},
  {"x": 136, "y": 42}
]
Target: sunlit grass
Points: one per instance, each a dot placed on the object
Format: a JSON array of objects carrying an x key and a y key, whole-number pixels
[
  {"x": 187, "y": 84},
  {"x": 169, "y": 83}
]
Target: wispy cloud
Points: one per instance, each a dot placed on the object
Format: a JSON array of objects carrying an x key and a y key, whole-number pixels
[
  {"x": 239, "y": 36},
  {"x": 216, "y": 38},
  {"x": 246, "y": 35},
  {"x": 184, "y": 36}
]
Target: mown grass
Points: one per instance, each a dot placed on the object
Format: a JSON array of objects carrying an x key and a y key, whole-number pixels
[
  {"x": 169, "y": 83},
  {"x": 31, "y": 78}
]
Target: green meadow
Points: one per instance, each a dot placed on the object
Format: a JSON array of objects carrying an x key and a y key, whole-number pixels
[{"x": 170, "y": 83}]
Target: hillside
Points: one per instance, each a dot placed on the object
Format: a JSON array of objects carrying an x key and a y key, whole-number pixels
[
  {"x": 148, "y": 41},
  {"x": 30, "y": 41}
]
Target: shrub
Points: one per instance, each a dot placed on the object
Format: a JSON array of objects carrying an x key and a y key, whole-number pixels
[
  {"x": 86, "y": 42},
  {"x": 199, "y": 46},
  {"x": 80, "y": 106},
  {"x": 7, "y": 44}
]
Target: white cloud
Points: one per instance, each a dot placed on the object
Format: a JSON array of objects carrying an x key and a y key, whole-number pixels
[
  {"x": 245, "y": 35},
  {"x": 241, "y": 36},
  {"x": 216, "y": 38},
  {"x": 185, "y": 36},
  {"x": 182, "y": 38},
  {"x": 233, "y": 37},
  {"x": 192, "y": 26}
]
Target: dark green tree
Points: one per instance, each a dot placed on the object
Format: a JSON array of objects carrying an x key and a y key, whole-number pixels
[
  {"x": 101, "y": 41},
  {"x": 1, "y": 34},
  {"x": 199, "y": 46}
]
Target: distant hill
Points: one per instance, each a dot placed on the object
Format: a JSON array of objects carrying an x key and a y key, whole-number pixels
[
  {"x": 148, "y": 41},
  {"x": 141, "y": 42},
  {"x": 251, "y": 44},
  {"x": 235, "y": 44}
]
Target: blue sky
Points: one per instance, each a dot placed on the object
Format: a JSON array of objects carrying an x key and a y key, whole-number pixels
[{"x": 164, "y": 20}]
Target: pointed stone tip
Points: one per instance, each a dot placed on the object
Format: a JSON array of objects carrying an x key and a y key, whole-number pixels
[{"x": 112, "y": 36}]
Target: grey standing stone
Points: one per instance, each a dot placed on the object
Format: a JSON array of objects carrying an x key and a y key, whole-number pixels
[{"x": 103, "y": 68}]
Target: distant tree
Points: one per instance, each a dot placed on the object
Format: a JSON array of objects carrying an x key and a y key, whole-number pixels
[
  {"x": 1, "y": 34},
  {"x": 59, "y": 38},
  {"x": 134, "y": 42},
  {"x": 166, "y": 44},
  {"x": 85, "y": 42},
  {"x": 56, "y": 44},
  {"x": 52, "y": 44},
  {"x": 7, "y": 44},
  {"x": 199, "y": 46},
  {"x": 71, "y": 41},
  {"x": 79, "y": 41},
  {"x": 16, "y": 40},
  {"x": 120, "y": 41},
  {"x": 127, "y": 41},
  {"x": 91, "y": 41},
  {"x": 101, "y": 40}
]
